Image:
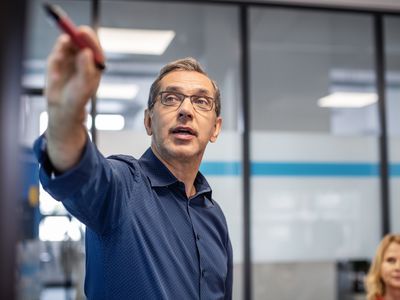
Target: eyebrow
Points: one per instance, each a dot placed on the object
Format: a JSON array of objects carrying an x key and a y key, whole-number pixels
[{"x": 178, "y": 89}]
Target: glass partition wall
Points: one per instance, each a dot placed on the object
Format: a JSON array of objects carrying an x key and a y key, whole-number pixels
[
  {"x": 392, "y": 54},
  {"x": 314, "y": 133},
  {"x": 187, "y": 30},
  {"x": 51, "y": 254},
  {"x": 314, "y": 149}
]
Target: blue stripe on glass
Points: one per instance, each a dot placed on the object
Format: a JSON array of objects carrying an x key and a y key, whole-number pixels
[
  {"x": 298, "y": 169},
  {"x": 221, "y": 168},
  {"x": 394, "y": 170},
  {"x": 314, "y": 169}
]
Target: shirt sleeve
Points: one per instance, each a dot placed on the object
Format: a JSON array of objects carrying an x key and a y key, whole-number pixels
[{"x": 92, "y": 191}]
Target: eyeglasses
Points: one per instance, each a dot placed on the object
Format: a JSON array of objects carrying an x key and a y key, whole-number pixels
[{"x": 174, "y": 99}]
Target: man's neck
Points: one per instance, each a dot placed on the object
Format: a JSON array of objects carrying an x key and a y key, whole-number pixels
[
  {"x": 184, "y": 170},
  {"x": 185, "y": 173}
]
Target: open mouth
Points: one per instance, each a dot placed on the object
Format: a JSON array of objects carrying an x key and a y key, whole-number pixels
[{"x": 183, "y": 130}]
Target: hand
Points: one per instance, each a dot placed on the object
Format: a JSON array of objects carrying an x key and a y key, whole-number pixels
[{"x": 72, "y": 79}]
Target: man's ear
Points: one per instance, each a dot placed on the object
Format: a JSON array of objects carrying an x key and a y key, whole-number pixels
[
  {"x": 217, "y": 129},
  {"x": 147, "y": 121}
]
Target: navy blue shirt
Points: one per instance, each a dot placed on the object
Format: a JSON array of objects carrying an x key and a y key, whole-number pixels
[{"x": 144, "y": 239}]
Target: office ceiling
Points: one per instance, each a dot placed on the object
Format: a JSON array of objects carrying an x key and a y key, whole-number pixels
[{"x": 194, "y": 25}]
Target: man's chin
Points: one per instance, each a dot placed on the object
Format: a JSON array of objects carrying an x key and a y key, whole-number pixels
[{"x": 183, "y": 152}]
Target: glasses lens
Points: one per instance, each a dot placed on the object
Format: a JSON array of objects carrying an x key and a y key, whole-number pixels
[
  {"x": 202, "y": 103},
  {"x": 170, "y": 99}
]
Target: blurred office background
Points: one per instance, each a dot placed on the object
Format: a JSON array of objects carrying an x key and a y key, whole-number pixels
[{"x": 307, "y": 166}]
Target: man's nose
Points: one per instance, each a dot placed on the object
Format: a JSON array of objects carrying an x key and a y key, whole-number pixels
[{"x": 186, "y": 108}]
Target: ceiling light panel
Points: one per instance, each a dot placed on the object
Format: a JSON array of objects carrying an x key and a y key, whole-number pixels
[
  {"x": 135, "y": 41},
  {"x": 122, "y": 91},
  {"x": 348, "y": 100}
]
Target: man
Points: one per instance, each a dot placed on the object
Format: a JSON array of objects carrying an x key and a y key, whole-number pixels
[{"x": 153, "y": 230}]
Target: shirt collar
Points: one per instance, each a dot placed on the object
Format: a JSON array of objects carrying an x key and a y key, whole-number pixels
[
  {"x": 155, "y": 170},
  {"x": 202, "y": 187},
  {"x": 160, "y": 176}
]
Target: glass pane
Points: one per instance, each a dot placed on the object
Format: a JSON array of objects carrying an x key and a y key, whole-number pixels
[
  {"x": 42, "y": 33},
  {"x": 189, "y": 30},
  {"x": 315, "y": 185},
  {"x": 47, "y": 241},
  {"x": 392, "y": 47}
]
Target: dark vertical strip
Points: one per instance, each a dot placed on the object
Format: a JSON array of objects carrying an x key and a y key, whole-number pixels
[
  {"x": 383, "y": 141},
  {"x": 12, "y": 32},
  {"x": 245, "y": 61},
  {"x": 94, "y": 19},
  {"x": 95, "y": 14}
]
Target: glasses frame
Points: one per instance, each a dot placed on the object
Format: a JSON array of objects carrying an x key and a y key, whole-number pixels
[{"x": 182, "y": 98}]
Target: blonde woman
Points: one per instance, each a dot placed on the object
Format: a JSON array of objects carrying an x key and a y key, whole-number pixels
[{"x": 383, "y": 279}]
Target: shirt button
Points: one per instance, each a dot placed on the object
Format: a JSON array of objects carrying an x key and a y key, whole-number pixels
[
  {"x": 198, "y": 236},
  {"x": 203, "y": 272}
]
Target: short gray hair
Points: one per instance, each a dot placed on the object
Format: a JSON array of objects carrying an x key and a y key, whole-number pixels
[{"x": 184, "y": 64}]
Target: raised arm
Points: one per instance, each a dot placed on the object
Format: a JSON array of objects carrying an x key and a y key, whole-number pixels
[{"x": 72, "y": 79}]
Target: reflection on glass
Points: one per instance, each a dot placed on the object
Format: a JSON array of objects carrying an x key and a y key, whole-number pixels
[{"x": 315, "y": 172}]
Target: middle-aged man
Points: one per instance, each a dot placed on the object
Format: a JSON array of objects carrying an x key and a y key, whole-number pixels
[{"x": 153, "y": 229}]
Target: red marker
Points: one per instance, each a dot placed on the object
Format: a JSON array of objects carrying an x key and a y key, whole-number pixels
[{"x": 66, "y": 25}]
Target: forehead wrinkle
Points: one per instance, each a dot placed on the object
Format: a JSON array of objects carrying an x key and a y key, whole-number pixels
[
  {"x": 197, "y": 91},
  {"x": 188, "y": 82}
]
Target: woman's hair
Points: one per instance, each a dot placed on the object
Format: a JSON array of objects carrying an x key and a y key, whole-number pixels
[
  {"x": 185, "y": 64},
  {"x": 373, "y": 282}
]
